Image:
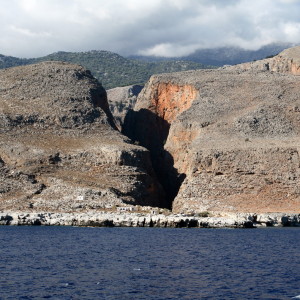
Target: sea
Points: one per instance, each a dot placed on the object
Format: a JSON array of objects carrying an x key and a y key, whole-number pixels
[{"x": 39, "y": 262}]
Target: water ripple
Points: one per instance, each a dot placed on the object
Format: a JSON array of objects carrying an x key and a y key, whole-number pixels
[{"x": 148, "y": 263}]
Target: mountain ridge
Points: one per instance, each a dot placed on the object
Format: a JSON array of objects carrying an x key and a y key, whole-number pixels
[
  {"x": 110, "y": 68},
  {"x": 220, "y": 56},
  {"x": 114, "y": 70}
]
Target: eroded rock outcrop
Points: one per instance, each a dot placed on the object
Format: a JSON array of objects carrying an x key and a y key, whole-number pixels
[
  {"x": 288, "y": 61},
  {"x": 121, "y": 100},
  {"x": 227, "y": 139},
  {"x": 59, "y": 150}
]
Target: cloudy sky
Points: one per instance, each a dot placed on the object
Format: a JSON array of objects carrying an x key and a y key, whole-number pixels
[{"x": 31, "y": 28}]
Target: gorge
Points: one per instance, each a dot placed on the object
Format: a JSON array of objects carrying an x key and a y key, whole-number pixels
[{"x": 217, "y": 141}]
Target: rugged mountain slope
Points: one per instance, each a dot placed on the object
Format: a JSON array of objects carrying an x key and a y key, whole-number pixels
[
  {"x": 59, "y": 150},
  {"x": 227, "y": 139}
]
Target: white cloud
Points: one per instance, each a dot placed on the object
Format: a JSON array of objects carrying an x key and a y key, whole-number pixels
[
  {"x": 169, "y": 50},
  {"x": 292, "y": 31},
  {"x": 31, "y": 28},
  {"x": 28, "y": 33},
  {"x": 289, "y": 1}
]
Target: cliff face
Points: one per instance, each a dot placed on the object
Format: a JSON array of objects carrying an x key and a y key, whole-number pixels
[
  {"x": 288, "y": 62},
  {"x": 121, "y": 100},
  {"x": 166, "y": 99},
  {"x": 59, "y": 150},
  {"x": 228, "y": 138},
  {"x": 159, "y": 103}
]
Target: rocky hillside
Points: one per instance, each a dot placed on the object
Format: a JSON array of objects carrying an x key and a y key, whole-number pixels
[
  {"x": 223, "y": 140},
  {"x": 59, "y": 149},
  {"x": 226, "y": 139},
  {"x": 288, "y": 62}
]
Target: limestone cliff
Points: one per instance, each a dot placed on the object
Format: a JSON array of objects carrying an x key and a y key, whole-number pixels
[
  {"x": 288, "y": 61},
  {"x": 121, "y": 100},
  {"x": 227, "y": 139},
  {"x": 59, "y": 150},
  {"x": 158, "y": 105}
]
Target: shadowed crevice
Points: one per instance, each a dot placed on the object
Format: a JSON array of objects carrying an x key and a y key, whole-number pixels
[{"x": 151, "y": 131}]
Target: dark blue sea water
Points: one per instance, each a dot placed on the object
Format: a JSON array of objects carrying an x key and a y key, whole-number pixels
[{"x": 149, "y": 263}]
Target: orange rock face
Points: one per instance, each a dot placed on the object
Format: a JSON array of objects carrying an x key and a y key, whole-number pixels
[{"x": 169, "y": 100}]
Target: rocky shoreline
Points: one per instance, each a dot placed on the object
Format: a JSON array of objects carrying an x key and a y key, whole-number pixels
[{"x": 112, "y": 219}]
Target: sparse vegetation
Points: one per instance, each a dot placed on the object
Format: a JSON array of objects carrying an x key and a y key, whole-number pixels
[
  {"x": 111, "y": 69},
  {"x": 203, "y": 214},
  {"x": 271, "y": 56}
]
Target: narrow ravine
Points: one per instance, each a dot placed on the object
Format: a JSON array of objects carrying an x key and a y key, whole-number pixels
[{"x": 149, "y": 123}]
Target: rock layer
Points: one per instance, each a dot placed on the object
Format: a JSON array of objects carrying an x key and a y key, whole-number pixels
[
  {"x": 59, "y": 150},
  {"x": 227, "y": 139}
]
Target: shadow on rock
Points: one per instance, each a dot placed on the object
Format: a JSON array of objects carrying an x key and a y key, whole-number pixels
[{"x": 151, "y": 131}]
